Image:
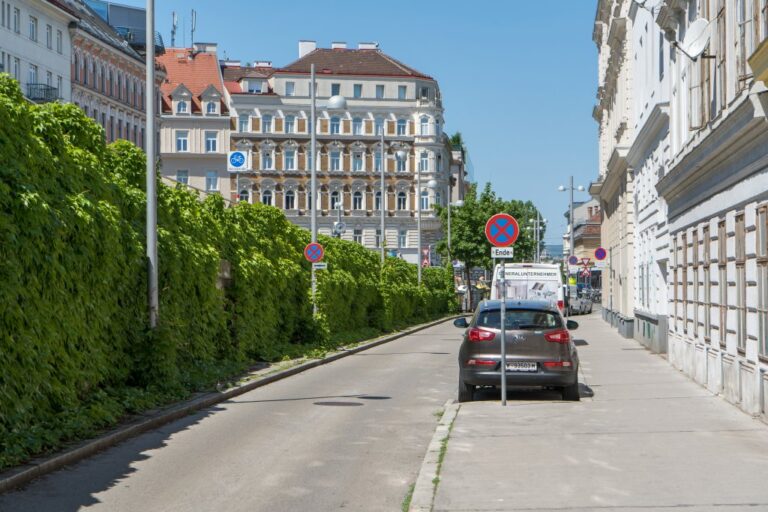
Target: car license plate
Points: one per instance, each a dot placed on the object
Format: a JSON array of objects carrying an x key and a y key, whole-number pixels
[{"x": 519, "y": 366}]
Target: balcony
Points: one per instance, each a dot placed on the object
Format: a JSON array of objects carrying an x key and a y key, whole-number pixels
[
  {"x": 42, "y": 93},
  {"x": 137, "y": 38}
]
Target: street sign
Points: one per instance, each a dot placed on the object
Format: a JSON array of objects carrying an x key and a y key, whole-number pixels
[
  {"x": 573, "y": 260},
  {"x": 314, "y": 252},
  {"x": 600, "y": 264},
  {"x": 238, "y": 161},
  {"x": 585, "y": 262},
  {"x": 502, "y": 252},
  {"x": 585, "y": 273},
  {"x": 600, "y": 254},
  {"x": 320, "y": 266},
  {"x": 502, "y": 230}
]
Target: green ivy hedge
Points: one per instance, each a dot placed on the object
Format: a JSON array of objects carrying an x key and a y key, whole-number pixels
[{"x": 76, "y": 354}]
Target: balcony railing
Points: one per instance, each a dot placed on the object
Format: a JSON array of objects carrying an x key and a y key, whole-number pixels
[
  {"x": 42, "y": 93},
  {"x": 137, "y": 38}
]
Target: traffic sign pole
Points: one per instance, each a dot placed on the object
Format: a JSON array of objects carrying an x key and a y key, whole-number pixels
[{"x": 503, "y": 334}]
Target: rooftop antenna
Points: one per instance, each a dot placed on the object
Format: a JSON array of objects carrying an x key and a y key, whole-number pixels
[
  {"x": 696, "y": 40},
  {"x": 173, "y": 29},
  {"x": 194, "y": 26}
]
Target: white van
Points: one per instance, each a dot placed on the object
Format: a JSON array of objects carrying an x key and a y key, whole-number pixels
[{"x": 536, "y": 281}]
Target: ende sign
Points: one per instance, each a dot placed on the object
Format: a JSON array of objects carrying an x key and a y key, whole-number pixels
[{"x": 502, "y": 252}]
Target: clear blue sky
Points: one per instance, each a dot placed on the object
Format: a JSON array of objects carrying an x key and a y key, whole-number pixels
[{"x": 518, "y": 77}]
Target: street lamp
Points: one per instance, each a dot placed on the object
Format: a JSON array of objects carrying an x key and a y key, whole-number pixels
[
  {"x": 536, "y": 226},
  {"x": 570, "y": 188},
  {"x": 152, "y": 287},
  {"x": 430, "y": 184}
]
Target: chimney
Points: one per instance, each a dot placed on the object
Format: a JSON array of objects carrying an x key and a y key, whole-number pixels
[
  {"x": 204, "y": 47},
  {"x": 262, "y": 64},
  {"x": 230, "y": 63},
  {"x": 338, "y": 45},
  {"x": 306, "y": 47},
  {"x": 368, "y": 46}
]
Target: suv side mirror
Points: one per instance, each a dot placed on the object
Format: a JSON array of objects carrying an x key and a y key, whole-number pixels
[
  {"x": 571, "y": 325},
  {"x": 461, "y": 322}
]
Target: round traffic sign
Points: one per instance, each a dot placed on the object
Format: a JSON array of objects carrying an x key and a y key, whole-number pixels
[
  {"x": 237, "y": 159},
  {"x": 573, "y": 260},
  {"x": 502, "y": 230},
  {"x": 314, "y": 252},
  {"x": 600, "y": 254}
]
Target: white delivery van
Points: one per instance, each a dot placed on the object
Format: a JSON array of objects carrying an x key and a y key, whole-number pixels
[{"x": 534, "y": 281}]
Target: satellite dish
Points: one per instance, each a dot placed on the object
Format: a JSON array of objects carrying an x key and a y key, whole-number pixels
[
  {"x": 696, "y": 38},
  {"x": 649, "y": 4}
]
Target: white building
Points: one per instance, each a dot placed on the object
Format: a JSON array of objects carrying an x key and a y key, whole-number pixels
[
  {"x": 271, "y": 110},
  {"x": 647, "y": 159},
  {"x": 35, "y": 47}
]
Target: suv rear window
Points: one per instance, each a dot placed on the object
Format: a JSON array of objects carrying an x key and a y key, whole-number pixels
[{"x": 520, "y": 319}]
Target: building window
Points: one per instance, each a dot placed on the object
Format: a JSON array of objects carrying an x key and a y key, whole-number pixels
[
  {"x": 181, "y": 106},
  {"x": 357, "y": 91},
  {"x": 211, "y": 107},
  {"x": 266, "y": 124},
  {"x": 266, "y": 160},
  {"x": 357, "y": 126},
  {"x": 424, "y": 125},
  {"x": 378, "y": 238},
  {"x": 182, "y": 176},
  {"x": 309, "y": 200},
  {"x": 243, "y": 122},
  {"x": 211, "y": 142},
  {"x": 290, "y": 88},
  {"x": 401, "y": 126},
  {"x": 211, "y": 181},
  {"x": 182, "y": 141},
  {"x": 335, "y": 125},
  {"x": 59, "y": 42},
  {"x": 762, "y": 274},
  {"x": 335, "y": 89},
  {"x": 424, "y": 162},
  {"x": 377, "y": 201},
  {"x": 33, "y": 28},
  {"x": 290, "y": 160},
  {"x": 377, "y": 161},
  {"x": 290, "y": 200},
  {"x": 424, "y": 200},
  {"x": 402, "y": 238},
  {"x": 722, "y": 280},
  {"x": 16, "y": 20},
  {"x": 402, "y": 201},
  {"x": 425, "y": 93},
  {"x": 243, "y": 196},
  {"x": 438, "y": 198},
  {"x": 49, "y": 37},
  {"x": 695, "y": 271},
  {"x": 707, "y": 287},
  {"x": 379, "y": 92},
  {"x": 741, "y": 283},
  {"x": 440, "y": 164},
  {"x": 401, "y": 164},
  {"x": 335, "y": 199},
  {"x": 335, "y": 160},
  {"x": 290, "y": 124},
  {"x": 378, "y": 126},
  {"x": 401, "y": 91},
  {"x": 266, "y": 197},
  {"x": 684, "y": 270},
  {"x": 357, "y": 161},
  {"x": 253, "y": 86},
  {"x": 357, "y": 201},
  {"x": 357, "y": 236}
]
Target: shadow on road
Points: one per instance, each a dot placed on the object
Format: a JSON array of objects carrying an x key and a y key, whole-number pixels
[{"x": 360, "y": 397}]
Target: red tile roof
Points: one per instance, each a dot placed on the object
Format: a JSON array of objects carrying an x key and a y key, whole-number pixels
[
  {"x": 235, "y": 73},
  {"x": 196, "y": 70},
  {"x": 344, "y": 61}
]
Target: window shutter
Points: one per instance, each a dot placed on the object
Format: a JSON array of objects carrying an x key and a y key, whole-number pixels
[
  {"x": 323, "y": 126},
  {"x": 279, "y": 125},
  {"x": 345, "y": 126},
  {"x": 302, "y": 125},
  {"x": 256, "y": 124}
]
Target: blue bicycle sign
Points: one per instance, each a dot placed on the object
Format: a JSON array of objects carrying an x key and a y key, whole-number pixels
[{"x": 237, "y": 160}]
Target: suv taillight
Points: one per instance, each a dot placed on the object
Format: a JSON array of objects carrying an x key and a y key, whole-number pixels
[
  {"x": 558, "y": 336},
  {"x": 476, "y": 334}
]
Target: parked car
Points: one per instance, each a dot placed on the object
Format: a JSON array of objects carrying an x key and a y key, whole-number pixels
[{"x": 539, "y": 348}]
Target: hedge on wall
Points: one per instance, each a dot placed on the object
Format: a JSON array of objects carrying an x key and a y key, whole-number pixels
[{"x": 75, "y": 350}]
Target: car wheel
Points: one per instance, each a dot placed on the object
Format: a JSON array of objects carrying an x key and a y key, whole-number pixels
[
  {"x": 571, "y": 393},
  {"x": 466, "y": 391}
]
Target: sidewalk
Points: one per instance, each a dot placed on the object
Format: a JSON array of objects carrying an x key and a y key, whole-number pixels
[{"x": 648, "y": 439}]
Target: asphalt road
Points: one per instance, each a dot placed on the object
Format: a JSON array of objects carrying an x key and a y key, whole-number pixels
[{"x": 348, "y": 435}]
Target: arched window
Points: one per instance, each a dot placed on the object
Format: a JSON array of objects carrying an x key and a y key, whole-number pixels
[
  {"x": 290, "y": 200},
  {"x": 424, "y": 161},
  {"x": 402, "y": 201},
  {"x": 424, "y": 122},
  {"x": 335, "y": 125},
  {"x": 335, "y": 199},
  {"x": 243, "y": 195},
  {"x": 357, "y": 201},
  {"x": 181, "y": 107},
  {"x": 424, "y": 200},
  {"x": 357, "y": 126},
  {"x": 266, "y": 197},
  {"x": 211, "y": 108},
  {"x": 377, "y": 201}
]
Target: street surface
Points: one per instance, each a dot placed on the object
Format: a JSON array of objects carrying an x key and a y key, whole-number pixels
[
  {"x": 649, "y": 439},
  {"x": 348, "y": 435}
]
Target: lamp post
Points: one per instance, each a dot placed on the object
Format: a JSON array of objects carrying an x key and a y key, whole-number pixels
[
  {"x": 152, "y": 290},
  {"x": 536, "y": 226},
  {"x": 570, "y": 188}
]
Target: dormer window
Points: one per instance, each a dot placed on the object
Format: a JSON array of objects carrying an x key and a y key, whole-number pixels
[
  {"x": 211, "y": 108},
  {"x": 181, "y": 107}
]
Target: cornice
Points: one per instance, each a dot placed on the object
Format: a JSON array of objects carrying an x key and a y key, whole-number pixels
[
  {"x": 656, "y": 122},
  {"x": 617, "y": 166}
]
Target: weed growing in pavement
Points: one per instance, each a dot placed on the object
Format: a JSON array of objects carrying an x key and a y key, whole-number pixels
[{"x": 408, "y": 497}]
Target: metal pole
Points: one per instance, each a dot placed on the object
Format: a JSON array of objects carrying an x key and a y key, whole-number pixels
[
  {"x": 418, "y": 222},
  {"x": 151, "y": 151},
  {"x": 573, "y": 224},
  {"x": 449, "y": 229},
  {"x": 503, "y": 367},
  {"x": 383, "y": 197},
  {"x": 313, "y": 178},
  {"x": 538, "y": 237}
]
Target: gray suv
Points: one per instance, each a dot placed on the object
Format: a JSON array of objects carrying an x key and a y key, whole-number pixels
[{"x": 540, "y": 350}]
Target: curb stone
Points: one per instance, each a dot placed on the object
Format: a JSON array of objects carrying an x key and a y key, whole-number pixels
[
  {"x": 22, "y": 475},
  {"x": 424, "y": 489}
]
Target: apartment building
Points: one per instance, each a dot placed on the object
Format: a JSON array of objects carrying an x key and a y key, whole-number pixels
[
  {"x": 35, "y": 47},
  {"x": 194, "y": 133},
  {"x": 270, "y": 111}
]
